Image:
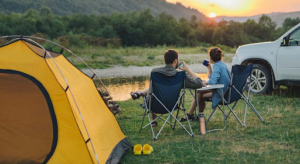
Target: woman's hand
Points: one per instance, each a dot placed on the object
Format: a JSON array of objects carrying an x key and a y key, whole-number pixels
[{"x": 208, "y": 66}]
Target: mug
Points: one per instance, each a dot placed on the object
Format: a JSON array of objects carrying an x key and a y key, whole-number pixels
[{"x": 205, "y": 62}]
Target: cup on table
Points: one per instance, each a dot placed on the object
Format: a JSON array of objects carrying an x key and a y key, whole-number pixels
[{"x": 205, "y": 62}]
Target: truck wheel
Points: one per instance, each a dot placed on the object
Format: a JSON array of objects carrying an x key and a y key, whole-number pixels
[{"x": 261, "y": 81}]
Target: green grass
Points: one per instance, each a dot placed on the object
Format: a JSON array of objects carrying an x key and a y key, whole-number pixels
[
  {"x": 275, "y": 141},
  {"x": 105, "y": 57}
]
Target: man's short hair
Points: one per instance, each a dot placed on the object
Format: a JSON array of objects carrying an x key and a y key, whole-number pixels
[
  {"x": 170, "y": 56},
  {"x": 216, "y": 54}
]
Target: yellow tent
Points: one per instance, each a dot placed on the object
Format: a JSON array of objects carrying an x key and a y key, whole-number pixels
[{"x": 51, "y": 112}]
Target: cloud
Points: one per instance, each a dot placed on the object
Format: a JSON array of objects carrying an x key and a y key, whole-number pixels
[{"x": 212, "y": 5}]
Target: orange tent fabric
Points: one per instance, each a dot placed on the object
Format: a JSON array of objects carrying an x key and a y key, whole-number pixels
[{"x": 51, "y": 112}]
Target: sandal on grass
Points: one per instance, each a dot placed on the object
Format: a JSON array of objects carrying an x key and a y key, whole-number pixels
[
  {"x": 135, "y": 95},
  {"x": 190, "y": 117}
]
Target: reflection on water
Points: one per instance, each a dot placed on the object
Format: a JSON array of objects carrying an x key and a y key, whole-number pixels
[
  {"x": 120, "y": 88},
  {"x": 203, "y": 76}
]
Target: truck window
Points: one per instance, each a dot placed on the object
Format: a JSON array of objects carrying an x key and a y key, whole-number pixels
[{"x": 294, "y": 39}]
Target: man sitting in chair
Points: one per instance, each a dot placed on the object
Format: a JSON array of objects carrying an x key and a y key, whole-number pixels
[{"x": 170, "y": 69}]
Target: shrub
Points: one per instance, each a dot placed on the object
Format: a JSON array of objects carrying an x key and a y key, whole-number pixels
[
  {"x": 147, "y": 63},
  {"x": 63, "y": 40},
  {"x": 151, "y": 57},
  {"x": 51, "y": 46},
  {"x": 102, "y": 42},
  {"x": 3, "y": 41},
  {"x": 94, "y": 56},
  {"x": 75, "y": 40}
]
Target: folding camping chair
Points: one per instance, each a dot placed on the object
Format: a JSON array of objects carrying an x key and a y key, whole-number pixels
[
  {"x": 165, "y": 98},
  {"x": 240, "y": 78}
]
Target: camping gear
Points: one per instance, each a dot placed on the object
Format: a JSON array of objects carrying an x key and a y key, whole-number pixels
[
  {"x": 235, "y": 92},
  {"x": 165, "y": 97},
  {"x": 202, "y": 124},
  {"x": 50, "y": 111}
]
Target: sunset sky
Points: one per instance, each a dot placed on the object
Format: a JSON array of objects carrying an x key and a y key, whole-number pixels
[{"x": 241, "y": 7}]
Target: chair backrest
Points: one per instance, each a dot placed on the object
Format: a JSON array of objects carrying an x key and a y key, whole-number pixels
[
  {"x": 239, "y": 75},
  {"x": 167, "y": 90}
]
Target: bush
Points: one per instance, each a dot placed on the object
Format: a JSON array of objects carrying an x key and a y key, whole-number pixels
[
  {"x": 94, "y": 56},
  {"x": 3, "y": 41},
  {"x": 147, "y": 64},
  {"x": 50, "y": 46},
  {"x": 224, "y": 48},
  {"x": 102, "y": 42},
  {"x": 64, "y": 40},
  {"x": 117, "y": 57},
  {"x": 151, "y": 57},
  {"x": 75, "y": 40}
]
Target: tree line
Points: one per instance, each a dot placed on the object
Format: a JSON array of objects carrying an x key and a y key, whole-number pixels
[{"x": 142, "y": 28}]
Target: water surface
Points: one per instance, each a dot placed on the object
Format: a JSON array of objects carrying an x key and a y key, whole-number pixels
[{"x": 120, "y": 88}]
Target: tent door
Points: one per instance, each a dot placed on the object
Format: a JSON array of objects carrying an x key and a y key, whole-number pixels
[{"x": 28, "y": 126}]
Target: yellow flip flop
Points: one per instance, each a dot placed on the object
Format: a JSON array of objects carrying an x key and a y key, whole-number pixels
[
  {"x": 137, "y": 150},
  {"x": 147, "y": 149}
]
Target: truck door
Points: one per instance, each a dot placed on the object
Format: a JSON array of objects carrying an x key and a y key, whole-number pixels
[{"x": 288, "y": 58}]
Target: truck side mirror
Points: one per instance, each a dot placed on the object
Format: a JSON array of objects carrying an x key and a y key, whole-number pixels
[{"x": 284, "y": 41}]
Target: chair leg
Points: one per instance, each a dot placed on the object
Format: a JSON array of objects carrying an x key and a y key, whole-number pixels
[
  {"x": 175, "y": 120},
  {"x": 162, "y": 127},
  {"x": 168, "y": 118},
  {"x": 236, "y": 116},
  {"x": 245, "y": 113},
  {"x": 191, "y": 131},
  {"x": 143, "y": 120},
  {"x": 170, "y": 123},
  {"x": 151, "y": 127},
  {"x": 223, "y": 111},
  {"x": 188, "y": 124},
  {"x": 253, "y": 108},
  {"x": 197, "y": 107},
  {"x": 157, "y": 117},
  {"x": 212, "y": 115},
  {"x": 232, "y": 108},
  {"x": 255, "y": 111}
]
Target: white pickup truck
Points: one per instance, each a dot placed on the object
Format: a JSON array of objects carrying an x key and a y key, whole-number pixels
[{"x": 275, "y": 63}]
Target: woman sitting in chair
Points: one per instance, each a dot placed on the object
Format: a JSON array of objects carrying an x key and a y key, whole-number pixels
[{"x": 218, "y": 75}]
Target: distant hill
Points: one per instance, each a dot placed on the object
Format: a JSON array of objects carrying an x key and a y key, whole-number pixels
[
  {"x": 278, "y": 17},
  {"x": 67, "y": 7}
]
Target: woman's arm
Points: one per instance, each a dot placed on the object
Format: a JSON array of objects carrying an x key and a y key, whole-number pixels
[
  {"x": 215, "y": 75},
  {"x": 209, "y": 70}
]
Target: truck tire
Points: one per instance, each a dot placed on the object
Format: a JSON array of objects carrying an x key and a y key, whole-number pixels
[{"x": 261, "y": 81}]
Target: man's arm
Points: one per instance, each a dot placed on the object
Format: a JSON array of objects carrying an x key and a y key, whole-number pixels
[
  {"x": 192, "y": 80},
  {"x": 187, "y": 69}
]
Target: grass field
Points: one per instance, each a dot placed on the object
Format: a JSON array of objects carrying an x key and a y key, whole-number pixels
[
  {"x": 275, "y": 141},
  {"x": 105, "y": 57}
]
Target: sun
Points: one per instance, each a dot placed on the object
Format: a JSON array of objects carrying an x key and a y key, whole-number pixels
[{"x": 212, "y": 15}]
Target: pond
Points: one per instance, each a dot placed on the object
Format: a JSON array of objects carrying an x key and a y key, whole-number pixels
[{"x": 120, "y": 88}]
